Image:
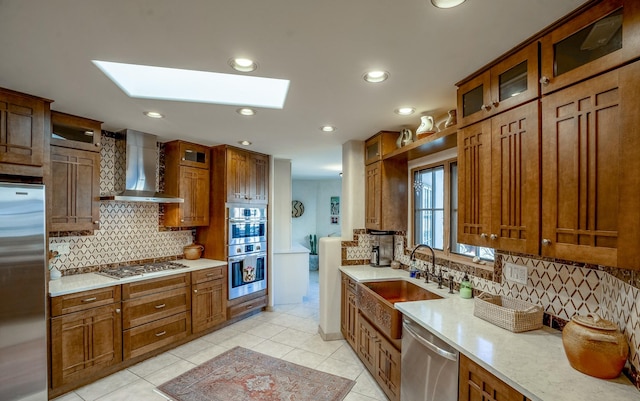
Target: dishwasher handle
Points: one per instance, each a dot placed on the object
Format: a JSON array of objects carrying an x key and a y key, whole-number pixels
[{"x": 444, "y": 353}]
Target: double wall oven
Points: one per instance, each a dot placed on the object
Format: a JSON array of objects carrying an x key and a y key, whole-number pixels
[{"x": 247, "y": 249}]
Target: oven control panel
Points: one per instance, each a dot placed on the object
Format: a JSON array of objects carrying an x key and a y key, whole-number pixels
[{"x": 243, "y": 249}]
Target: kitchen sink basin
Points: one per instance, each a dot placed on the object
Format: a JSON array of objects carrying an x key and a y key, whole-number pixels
[
  {"x": 376, "y": 300},
  {"x": 400, "y": 291}
]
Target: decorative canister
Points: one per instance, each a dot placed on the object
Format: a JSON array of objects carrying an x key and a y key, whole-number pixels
[
  {"x": 193, "y": 251},
  {"x": 595, "y": 346}
]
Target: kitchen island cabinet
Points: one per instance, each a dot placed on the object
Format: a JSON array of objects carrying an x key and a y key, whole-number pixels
[{"x": 546, "y": 376}]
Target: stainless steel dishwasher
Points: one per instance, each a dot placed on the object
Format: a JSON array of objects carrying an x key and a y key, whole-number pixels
[{"x": 429, "y": 369}]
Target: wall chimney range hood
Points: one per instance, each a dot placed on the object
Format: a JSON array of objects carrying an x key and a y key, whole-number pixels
[{"x": 141, "y": 155}]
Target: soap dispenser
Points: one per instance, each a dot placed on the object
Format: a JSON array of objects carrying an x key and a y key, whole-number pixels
[{"x": 466, "y": 290}]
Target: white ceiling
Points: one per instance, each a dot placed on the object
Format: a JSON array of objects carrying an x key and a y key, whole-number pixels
[{"x": 323, "y": 46}]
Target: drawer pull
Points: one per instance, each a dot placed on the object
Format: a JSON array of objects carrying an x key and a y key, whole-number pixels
[
  {"x": 162, "y": 333},
  {"x": 160, "y": 306},
  {"x": 211, "y": 274},
  {"x": 249, "y": 306},
  {"x": 89, "y": 299}
]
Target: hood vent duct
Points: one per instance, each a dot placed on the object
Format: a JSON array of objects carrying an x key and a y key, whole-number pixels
[{"x": 141, "y": 154}]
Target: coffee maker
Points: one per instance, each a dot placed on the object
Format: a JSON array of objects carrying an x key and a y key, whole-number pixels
[{"x": 381, "y": 248}]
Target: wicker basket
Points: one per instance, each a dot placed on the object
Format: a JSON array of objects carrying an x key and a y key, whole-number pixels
[{"x": 510, "y": 314}]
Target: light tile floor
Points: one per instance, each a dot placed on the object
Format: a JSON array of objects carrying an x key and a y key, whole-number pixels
[{"x": 289, "y": 332}]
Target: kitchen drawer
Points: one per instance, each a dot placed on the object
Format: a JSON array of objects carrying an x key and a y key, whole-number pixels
[
  {"x": 201, "y": 276},
  {"x": 84, "y": 300},
  {"x": 247, "y": 306},
  {"x": 155, "y": 306},
  {"x": 152, "y": 286},
  {"x": 151, "y": 336}
]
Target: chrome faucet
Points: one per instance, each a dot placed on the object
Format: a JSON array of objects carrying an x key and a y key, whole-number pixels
[{"x": 433, "y": 261}]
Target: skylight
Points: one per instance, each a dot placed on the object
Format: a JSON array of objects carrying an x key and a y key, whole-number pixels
[{"x": 149, "y": 82}]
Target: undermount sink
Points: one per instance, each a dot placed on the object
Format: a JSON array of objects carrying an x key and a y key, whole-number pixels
[{"x": 376, "y": 300}]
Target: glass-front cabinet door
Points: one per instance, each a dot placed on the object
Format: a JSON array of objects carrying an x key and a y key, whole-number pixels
[
  {"x": 507, "y": 84},
  {"x": 603, "y": 37},
  {"x": 75, "y": 132}
]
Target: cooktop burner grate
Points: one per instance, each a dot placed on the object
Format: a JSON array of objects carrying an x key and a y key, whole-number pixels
[{"x": 139, "y": 270}]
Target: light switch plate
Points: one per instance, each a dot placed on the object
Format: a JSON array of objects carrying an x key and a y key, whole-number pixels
[
  {"x": 516, "y": 273},
  {"x": 61, "y": 248}
]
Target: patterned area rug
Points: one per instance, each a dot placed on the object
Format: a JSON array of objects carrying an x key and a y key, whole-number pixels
[{"x": 244, "y": 375}]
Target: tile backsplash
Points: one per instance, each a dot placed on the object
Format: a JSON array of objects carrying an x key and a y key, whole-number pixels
[
  {"x": 129, "y": 231},
  {"x": 562, "y": 288}
]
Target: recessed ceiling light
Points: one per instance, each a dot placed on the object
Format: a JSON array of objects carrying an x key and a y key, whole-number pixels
[
  {"x": 376, "y": 76},
  {"x": 245, "y": 111},
  {"x": 327, "y": 128},
  {"x": 153, "y": 114},
  {"x": 149, "y": 82},
  {"x": 447, "y": 3},
  {"x": 244, "y": 143},
  {"x": 243, "y": 64},
  {"x": 405, "y": 111}
]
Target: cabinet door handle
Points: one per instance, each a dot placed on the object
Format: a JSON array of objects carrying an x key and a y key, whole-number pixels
[
  {"x": 89, "y": 299},
  {"x": 545, "y": 81},
  {"x": 546, "y": 242},
  {"x": 483, "y": 235},
  {"x": 486, "y": 107},
  {"x": 97, "y": 144},
  {"x": 96, "y": 222},
  {"x": 181, "y": 220},
  {"x": 195, "y": 291},
  {"x": 118, "y": 310},
  {"x": 160, "y": 306},
  {"x": 495, "y": 103},
  {"x": 162, "y": 333},
  {"x": 493, "y": 236}
]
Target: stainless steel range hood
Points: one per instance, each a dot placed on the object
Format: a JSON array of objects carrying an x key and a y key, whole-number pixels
[{"x": 142, "y": 152}]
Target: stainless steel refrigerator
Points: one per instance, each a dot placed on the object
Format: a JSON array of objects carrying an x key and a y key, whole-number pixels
[{"x": 23, "y": 263}]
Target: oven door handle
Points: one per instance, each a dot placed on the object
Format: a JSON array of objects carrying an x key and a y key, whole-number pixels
[{"x": 234, "y": 259}]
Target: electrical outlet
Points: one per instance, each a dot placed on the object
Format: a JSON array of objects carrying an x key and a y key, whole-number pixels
[
  {"x": 61, "y": 248},
  {"x": 515, "y": 273}
]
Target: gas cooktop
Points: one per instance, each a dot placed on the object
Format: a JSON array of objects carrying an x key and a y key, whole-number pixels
[{"x": 139, "y": 270}]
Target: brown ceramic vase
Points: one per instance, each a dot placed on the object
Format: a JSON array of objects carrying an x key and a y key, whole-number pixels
[
  {"x": 193, "y": 251},
  {"x": 595, "y": 346}
]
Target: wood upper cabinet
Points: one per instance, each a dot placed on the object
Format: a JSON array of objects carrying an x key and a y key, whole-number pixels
[
  {"x": 477, "y": 384},
  {"x": 506, "y": 84},
  {"x": 74, "y": 190},
  {"x": 247, "y": 176},
  {"x": 187, "y": 176},
  {"x": 75, "y": 132},
  {"x": 349, "y": 310},
  {"x": 386, "y": 195},
  {"x": 603, "y": 37},
  {"x": 590, "y": 181},
  {"x": 380, "y": 144},
  {"x": 208, "y": 298},
  {"x": 24, "y": 138},
  {"x": 86, "y": 335},
  {"x": 499, "y": 181}
]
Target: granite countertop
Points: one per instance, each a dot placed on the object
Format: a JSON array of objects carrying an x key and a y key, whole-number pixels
[
  {"x": 533, "y": 362},
  {"x": 92, "y": 281}
]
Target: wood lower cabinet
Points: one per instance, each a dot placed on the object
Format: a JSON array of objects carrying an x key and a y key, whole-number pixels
[
  {"x": 155, "y": 313},
  {"x": 590, "y": 181},
  {"x": 86, "y": 335},
  {"x": 24, "y": 133},
  {"x": 349, "y": 310},
  {"x": 367, "y": 342},
  {"x": 74, "y": 190},
  {"x": 387, "y": 372},
  {"x": 208, "y": 298},
  {"x": 499, "y": 181},
  {"x": 247, "y": 304},
  {"x": 477, "y": 384}
]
